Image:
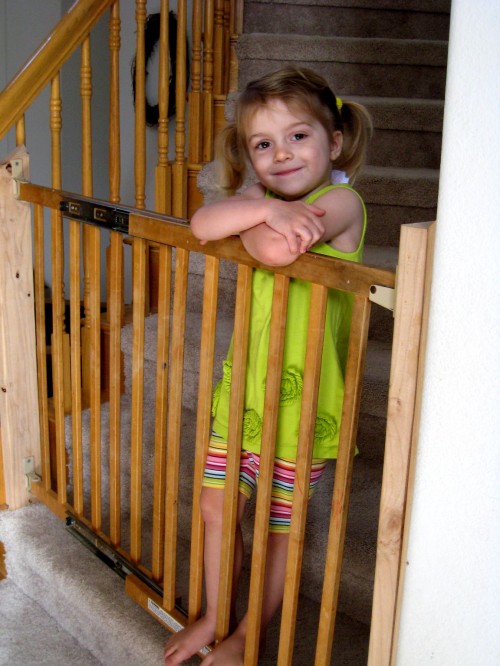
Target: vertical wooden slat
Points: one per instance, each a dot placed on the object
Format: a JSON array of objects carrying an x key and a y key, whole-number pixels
[
  {"x": 179, "y": 168},
  {"x": 203, "y": 421},
  {"x": 41, "y": 343},
  {"x": 263, "y": 504},
  {"x": 162, "y": 363},
  {"x": 57, "y": 294},
  {"x": 236, "y": 31},
  {"x": 140, "y": 105},
  {"x": 406, "y": 374},
  {"x": 174, "y": 426},
  {"x": 163, "y": 172},
  {"x": 114, "y": 103},
  {"x": 343, "y": 474},
  {"x": 76, "y": 378},
  {"x": 309, "y": 403},
  {"x": 115, "y": 312},
  {"x": 236, "y": 408},
  {"x": 139, "y": 302}
]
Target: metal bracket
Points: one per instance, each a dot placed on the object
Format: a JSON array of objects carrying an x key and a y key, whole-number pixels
[
  {"x": 384, "y": 296},
  {"x": 29, "y": 471},
  {"x": 96, "y": 214},
  {"x": 17, "y": 169}
]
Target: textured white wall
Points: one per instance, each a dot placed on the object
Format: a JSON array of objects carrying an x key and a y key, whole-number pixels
[{"x": 451, "y": 603}]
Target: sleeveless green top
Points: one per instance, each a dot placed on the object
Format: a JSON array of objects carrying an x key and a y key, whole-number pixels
[{"x": 331, "y": 389}]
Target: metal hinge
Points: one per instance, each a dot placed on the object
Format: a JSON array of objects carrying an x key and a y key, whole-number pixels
[
  {"x": 29, "y": 472},
  {"x": 18, "y": 175},
  {"x": 384, "y": 296}
]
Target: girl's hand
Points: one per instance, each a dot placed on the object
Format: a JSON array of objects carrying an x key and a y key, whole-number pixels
[{"x": 298, "y": 222}]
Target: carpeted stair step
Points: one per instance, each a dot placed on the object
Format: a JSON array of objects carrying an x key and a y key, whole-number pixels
[
  {"x": 350, "y": 18},
  {"x": 87, "y": 601},
  {"x": 81, "y": 593},
  {"x": 406, "y": 132},
  {"x": 356, "y": 66}
]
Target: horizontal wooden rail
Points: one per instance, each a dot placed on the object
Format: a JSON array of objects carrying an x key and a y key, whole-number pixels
[
  {"x": 48, "y": 59},
  {"x": 347, "y": 276}
]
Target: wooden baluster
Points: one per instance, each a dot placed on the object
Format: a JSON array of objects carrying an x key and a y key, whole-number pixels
[
  {"x": 115, "y": 283},
  {"x": 266, "y": 467},
  {"x": 343, "y": 474},
  {"x": 218, "y": 46},
  {"x": 163, "y": 175},
  {"x": 228, "y": 19},
  {"x": 208, "y": 78},
  {"x": 179, "y": 170},
  {"x": 174, "y": 426},
  {"x": 21, "y": 132},
  {"x": 139, "y": 301},
  {"x": 236, "y": 408},
  {"x": 140, "y": 105},
  {"x": 236, "y": 31},
  {"x": 162, "y": 363},
  {"x": 41, "y": 344},
  {"x": 114, "y": 103},
  {"x": 203, "y": 423},
  {"x": 309, "y": 403},
  {"x": 195, "y": 108},
  {"x": 195, "y": 122},
  {"x": 58, "y": 371}
]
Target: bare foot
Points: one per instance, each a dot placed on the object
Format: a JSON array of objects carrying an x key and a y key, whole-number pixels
[
  {"x": 230, "y": 652},
  {"x": 188, "y": 641}
]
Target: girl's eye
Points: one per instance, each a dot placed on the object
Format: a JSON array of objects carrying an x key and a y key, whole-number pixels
[
  {"x": 298, "y": 136},
  {"x": 262, "y": 145}
]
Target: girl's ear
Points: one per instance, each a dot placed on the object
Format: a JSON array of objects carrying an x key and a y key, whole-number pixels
[{"x": 336, "y": 145}]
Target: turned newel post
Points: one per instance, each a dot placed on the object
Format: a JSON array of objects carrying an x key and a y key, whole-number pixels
[{"x": 19, "y": 424}]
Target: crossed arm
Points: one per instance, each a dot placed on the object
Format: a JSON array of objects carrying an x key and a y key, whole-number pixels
[{"x": 273, "y": 231}]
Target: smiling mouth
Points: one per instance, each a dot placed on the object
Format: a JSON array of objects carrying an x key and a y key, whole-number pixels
[{"x": 287, "y": 172}]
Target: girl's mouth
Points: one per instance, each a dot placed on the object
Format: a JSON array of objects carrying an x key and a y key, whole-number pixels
[{"x": 287, "y": 172}]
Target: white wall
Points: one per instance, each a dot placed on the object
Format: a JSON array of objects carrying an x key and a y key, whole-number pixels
[{"x": 451, "y": 603}]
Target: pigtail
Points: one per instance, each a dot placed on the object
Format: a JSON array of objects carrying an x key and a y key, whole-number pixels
[
  {"x": 231, "y": 161},
  {"x": 357, "y": 129}
]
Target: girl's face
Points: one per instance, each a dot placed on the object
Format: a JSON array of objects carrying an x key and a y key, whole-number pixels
[{"x": 290, "y": 150}]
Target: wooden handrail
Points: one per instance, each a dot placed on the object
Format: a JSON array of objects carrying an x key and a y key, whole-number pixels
[{"x": 48, "y": 59}]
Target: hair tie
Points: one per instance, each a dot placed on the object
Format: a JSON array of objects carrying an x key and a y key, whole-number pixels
[{"x": 339, "y": 103}]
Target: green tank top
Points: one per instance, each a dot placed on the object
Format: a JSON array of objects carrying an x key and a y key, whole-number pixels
[{"x": 331, "y": 389}]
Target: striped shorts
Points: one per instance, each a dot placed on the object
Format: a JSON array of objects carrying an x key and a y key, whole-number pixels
[{"x": 282, "y": 485}]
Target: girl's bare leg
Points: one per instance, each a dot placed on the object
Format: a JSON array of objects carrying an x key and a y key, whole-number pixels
[
  {"x": 231, "y": 651},
  {"x": 187, "y": 642}
]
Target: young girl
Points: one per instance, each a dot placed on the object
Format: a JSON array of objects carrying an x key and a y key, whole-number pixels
[{"x": 293, "y": 130}]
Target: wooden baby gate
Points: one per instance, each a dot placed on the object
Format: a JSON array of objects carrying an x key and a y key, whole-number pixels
[{"x": 119, "y": 528}]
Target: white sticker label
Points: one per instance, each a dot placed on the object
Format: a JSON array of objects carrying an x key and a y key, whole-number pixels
[{"x": 170, "y": 621}]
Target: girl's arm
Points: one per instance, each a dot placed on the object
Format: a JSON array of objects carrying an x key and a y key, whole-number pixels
[
  {"x": 342, "y": 224},
  {"x": 291, "y": 226}
]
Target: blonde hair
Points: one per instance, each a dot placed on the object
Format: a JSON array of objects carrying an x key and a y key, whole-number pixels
[{"x": 298, "y": 88}]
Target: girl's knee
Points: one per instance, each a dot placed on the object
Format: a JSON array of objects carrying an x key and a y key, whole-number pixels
[{"x": 211, "y": 505}]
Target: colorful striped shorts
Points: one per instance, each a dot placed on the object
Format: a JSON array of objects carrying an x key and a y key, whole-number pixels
[{"x": 282, "y": 485}]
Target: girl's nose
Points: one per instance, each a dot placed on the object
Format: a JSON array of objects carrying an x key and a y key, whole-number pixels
[{"x": 282, "y": 153}]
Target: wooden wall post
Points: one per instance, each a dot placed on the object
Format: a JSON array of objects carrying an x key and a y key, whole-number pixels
[
  {"x": 18, "y": 378},
  {"x": 408, "y": 353}
]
